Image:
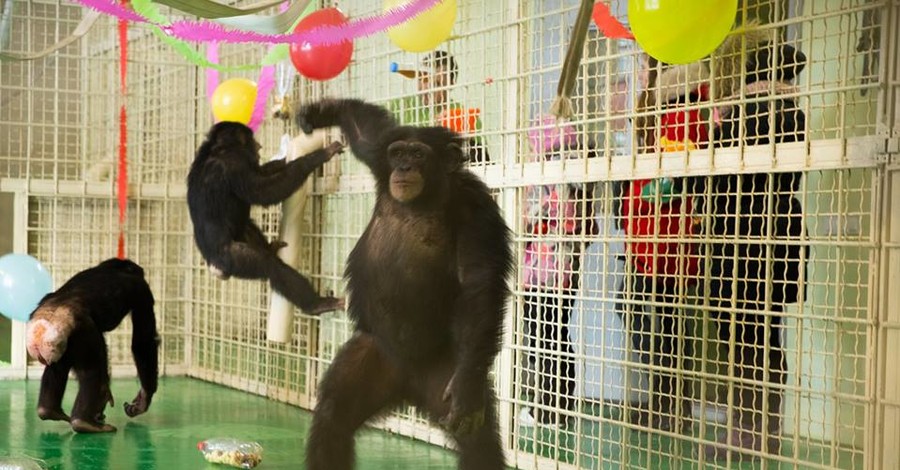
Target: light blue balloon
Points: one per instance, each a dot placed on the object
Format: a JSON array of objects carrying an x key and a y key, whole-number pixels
[{"x": 23, "y": 283}]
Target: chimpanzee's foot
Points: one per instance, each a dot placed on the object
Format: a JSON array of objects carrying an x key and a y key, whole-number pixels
[
  {"x": 47, "y": 414},
  {"x": 218, "y": 273},
  {"x": 324, "y": 305},
  {"x": 81, "y": 425}
]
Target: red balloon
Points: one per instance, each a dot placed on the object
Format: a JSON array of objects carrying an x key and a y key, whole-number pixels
[{"x": 321, "y": 62}]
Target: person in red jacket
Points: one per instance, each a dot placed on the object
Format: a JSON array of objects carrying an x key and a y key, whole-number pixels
[{"x": 656, "y": 215}]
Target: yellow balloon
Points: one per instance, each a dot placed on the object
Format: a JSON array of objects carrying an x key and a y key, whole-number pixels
[
  {"x": 426, "y": 31},
  {"x": 234, "y": 100},
  {"x": 680, "y": 31}
]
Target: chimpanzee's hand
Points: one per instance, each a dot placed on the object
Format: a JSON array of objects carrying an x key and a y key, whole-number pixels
[
  {"x": 140, "y": 404},
  {"x": 334, "y": 148},
  {"x": 467, "y": 407},
  {"x": 325, "y": 305},
  {"x": 309, "y": 117}
]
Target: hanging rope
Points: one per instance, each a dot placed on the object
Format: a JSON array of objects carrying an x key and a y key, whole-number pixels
[{"x": 562, "y": 106}]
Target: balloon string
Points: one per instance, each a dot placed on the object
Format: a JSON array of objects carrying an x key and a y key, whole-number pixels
[
  {"x": 122, "y": 185},
  {"x": 283, "y": 72}
]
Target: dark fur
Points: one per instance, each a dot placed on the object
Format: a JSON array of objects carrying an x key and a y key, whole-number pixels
[
  {"x": 98, "y": 299},
  {"x": 428, "y": 287},
  {"x": 225, "y": 180}
]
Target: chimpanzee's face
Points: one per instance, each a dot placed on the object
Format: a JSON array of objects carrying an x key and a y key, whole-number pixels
[{"x": 411, "y": 162}]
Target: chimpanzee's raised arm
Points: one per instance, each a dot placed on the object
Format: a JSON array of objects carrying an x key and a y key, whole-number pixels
[
  {"x": 256, "y": 187},
  {"x": 144, "y": 348},
  {"x": 361, "y": 122}
]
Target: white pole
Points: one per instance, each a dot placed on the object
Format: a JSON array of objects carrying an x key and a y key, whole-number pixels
[{"x": 280, "y": 322}]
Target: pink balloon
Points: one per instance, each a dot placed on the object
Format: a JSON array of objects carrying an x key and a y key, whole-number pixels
[{"x": 321, "y": 62}]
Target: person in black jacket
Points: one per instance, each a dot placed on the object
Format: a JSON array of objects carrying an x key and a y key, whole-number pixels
[{"x": 757, "y": 259}]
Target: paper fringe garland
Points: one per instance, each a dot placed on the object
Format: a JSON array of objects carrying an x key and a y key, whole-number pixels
[
  {"x": 322, "y": 36},
  {"x": 263, "y": 87},
  {"x": 150, "y": 11},
  {"x": 212, "y": 75},
  {"x": 202, "y": 31},
  {"x": 122, "y": 180},
  {"x": 110, "y": 7}
]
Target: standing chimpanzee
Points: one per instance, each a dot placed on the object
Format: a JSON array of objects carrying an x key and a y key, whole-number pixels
[
  {"x": 428, "y": 288},
  {"x": 65, "y": 332},
  {"x": 225, "y": 180}
]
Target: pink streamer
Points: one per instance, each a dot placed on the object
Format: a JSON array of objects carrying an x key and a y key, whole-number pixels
[
  {"x": 212, "y": 75},
  {"x": 200, "y": 31},
  {"x": 263, "y": 87},
  {"x": 110, "y": 7}
]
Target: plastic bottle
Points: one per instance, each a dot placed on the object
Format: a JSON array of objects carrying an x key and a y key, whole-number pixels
[
  {"x": 233, "y": 452},
  {"x": 21, "y": 463}
]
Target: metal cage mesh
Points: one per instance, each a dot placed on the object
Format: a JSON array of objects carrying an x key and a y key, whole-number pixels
[{"x": 618, "y": 351}]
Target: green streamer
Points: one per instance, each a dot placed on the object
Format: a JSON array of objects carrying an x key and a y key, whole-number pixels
[{"x": 148, "y": 9}]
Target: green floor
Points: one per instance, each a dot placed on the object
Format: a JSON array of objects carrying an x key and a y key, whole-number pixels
[
  {"x": 185, "y": 412},
  {"x": 607, "y": 445}
]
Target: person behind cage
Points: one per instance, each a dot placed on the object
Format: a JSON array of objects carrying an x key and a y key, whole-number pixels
[
  {"x": 756, "y": 222},
  {"x": 557, "y": 218},
  {"x": 432, "y": 105},
  {"x": 656, "y": 215}
]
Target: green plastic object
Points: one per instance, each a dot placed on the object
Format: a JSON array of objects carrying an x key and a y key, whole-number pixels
[{"x": 664, "y": 187}]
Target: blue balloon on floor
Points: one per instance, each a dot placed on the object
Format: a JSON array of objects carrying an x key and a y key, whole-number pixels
[{"x": 23, "y": 283}]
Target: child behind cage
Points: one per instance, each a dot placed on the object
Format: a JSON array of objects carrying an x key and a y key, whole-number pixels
[{"x": 556, "y": 219}]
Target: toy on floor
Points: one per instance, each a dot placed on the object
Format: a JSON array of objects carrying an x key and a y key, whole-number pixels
[
  {"x": 232, "y": 452},
  {"x": 66, "y": 333},
  {"x": 22, "y": 463}
]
